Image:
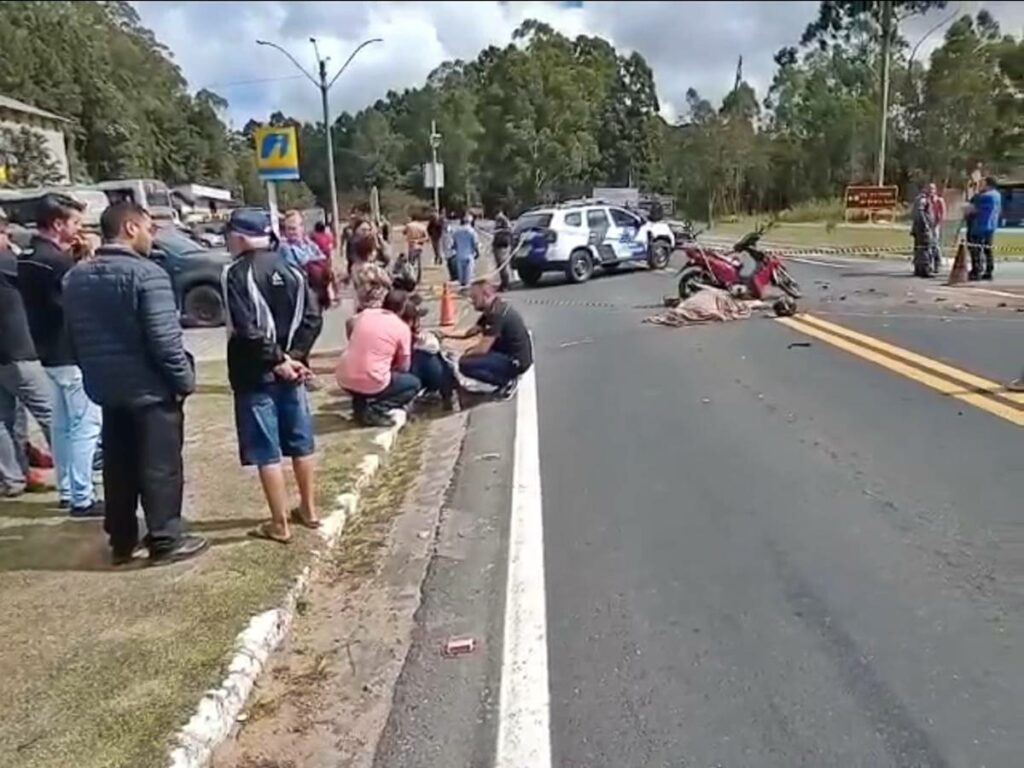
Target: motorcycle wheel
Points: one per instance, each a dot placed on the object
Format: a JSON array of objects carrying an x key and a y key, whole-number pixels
[
  {"x": 785, "y": 281},
  {"x": 691, "y": 280}
]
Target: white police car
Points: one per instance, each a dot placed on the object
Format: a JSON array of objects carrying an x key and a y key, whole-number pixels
[{"x": 577, "y": 237}]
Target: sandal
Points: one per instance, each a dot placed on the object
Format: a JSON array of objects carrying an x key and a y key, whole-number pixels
[
  {"x": 298, "y": 519},
  {"x": 265, "y": 531}
]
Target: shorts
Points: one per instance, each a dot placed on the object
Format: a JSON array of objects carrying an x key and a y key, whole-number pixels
[{"x": 272, "y": 422}]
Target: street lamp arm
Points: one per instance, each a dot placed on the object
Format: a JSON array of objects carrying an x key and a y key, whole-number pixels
[
  {"x": 352, "y": 56},
  {"x": 291, "y": 58}
]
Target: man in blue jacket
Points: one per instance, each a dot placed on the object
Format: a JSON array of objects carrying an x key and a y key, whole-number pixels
[
  {"x": 986, "y": 209},
  {"x": 127, "y": 338}
]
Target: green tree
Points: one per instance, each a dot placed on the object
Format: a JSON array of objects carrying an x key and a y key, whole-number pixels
[{"x": 26, "y": 157}]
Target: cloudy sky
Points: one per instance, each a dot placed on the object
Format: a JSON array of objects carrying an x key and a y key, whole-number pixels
[{"x": 687, "y": 44}]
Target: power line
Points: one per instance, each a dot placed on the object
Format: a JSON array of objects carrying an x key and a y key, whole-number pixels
[{"x": 253, "y": 82}]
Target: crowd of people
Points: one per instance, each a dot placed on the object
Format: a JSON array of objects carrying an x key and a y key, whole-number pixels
[
  {"x": 982, "y": 215},
  {"x": 91, "y": 348}
]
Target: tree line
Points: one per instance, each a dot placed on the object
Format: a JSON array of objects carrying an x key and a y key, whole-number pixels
[{"x": 547, "y": 116}]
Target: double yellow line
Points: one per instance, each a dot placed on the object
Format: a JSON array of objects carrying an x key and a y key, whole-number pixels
[{"x": 982, "y": 393}]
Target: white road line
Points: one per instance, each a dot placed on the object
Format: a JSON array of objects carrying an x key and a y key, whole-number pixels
[
  {"x": 524, "y": 731},
  {"x": 974, "y": 289}
]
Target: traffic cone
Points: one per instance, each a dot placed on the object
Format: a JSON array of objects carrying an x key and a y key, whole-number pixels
[
  {"x": 958, "y": 274},
  {"x": 447, "y": 307}
]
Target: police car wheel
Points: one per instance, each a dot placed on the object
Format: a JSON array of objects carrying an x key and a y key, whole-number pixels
[
  {"x": 204, "y": 307},
  {"x": 529, "y": 275},
  {"x": 660, "y": 255},
  {"x": 580, "y": 266}
]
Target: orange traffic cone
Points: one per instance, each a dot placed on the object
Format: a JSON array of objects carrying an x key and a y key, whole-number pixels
[
  {"x": 447, "y": 307},
  {"x": 958, "y": 274}
]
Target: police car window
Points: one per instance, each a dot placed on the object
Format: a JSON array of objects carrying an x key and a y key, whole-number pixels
[
  {"x": 623, "y": 219},
  {"x": 574, "y": 219},
  {"x": 597, "y": 218}
]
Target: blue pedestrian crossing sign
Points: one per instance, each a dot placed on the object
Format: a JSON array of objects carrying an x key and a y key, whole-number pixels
[{"x": 277, "y": 153}]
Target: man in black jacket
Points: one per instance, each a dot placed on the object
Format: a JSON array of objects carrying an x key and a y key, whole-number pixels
[
  {"x": 272, "y": 323},
  {"x": 75, "y": 429},
  {"x": 23, "y": 384},
  {"x": 125, "y": 330}
]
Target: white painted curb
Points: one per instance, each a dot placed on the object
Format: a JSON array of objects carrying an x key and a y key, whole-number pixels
[{"x": 219, "y": 708}]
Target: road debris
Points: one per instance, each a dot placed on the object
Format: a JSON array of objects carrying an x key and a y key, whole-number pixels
[
  {"x": 487, "y": 457},
  {"x": 586, "y": 340},
  {"x": 458, "y": 646},
  {"x": 800, "y": 344}
]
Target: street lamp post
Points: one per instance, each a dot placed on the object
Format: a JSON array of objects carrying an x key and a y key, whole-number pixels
[{"x": 324, "y": 86}]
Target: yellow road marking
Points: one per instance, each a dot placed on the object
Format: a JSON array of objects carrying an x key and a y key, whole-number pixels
[
  {"x": 956, "y": 390},
  {"x": 986, "y": 386}
]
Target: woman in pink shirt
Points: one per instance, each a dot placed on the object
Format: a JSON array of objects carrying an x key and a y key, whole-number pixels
[{"x": 374, "y": 368}]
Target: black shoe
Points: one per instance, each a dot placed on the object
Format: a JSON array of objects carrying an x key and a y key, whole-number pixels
[
  {"x": 375, "y": 418},
  {"x": 188, "y": 546},
  {"x": 508, "y": 391},
  {"x": 90, "y": 512},
  {"x": 125, "y": 558},
  {"x": 987, "y": 276}
]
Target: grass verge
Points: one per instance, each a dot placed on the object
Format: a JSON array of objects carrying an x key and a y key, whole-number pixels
[{"x": 99, "y": 666}]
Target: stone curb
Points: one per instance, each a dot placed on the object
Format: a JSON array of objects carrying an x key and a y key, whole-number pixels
[{"x": 219, "y": 708}]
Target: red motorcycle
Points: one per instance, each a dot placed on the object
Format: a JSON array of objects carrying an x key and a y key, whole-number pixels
[{"x": 710, "y": 267}]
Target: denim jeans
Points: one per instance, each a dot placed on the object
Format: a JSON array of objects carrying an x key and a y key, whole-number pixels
[
  {"x": 464, "y": 268},
  {"x": 24, "y": 388},
  {"x": 77, "y": 421},
  {"x": 490, "y": 368},
  {"x": 399, "y": 392},
  {"x": 433, "y": 371}
]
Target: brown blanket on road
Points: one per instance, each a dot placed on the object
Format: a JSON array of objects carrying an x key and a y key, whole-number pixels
[{"x": 709, "y": 305}]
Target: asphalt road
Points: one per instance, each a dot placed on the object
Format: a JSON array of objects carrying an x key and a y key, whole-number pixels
[{"x": 764, "y": 544}]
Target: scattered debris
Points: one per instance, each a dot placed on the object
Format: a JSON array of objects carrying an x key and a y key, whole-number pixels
[
  {"x": 941, "y": 298},
  {"x": 842, "y": 298},
  {"x": 487, "y": 457},
  {"x": 586, "y": 340},
  {"x": 458, "y": 646},
  {"x": 705, "y": 400},
  {"x": 1002, "y": 305},
  {"x": 800, "y": 344}
]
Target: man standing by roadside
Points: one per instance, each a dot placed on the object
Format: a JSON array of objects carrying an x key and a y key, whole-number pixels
[
  {"x": 937, "y": 205},
  {"x": 466, "y": 249},
  {"x": 22, "y": 380},
  {"x": 124, "y": 325},
  {"x": 986, "y": 209},
  {"x": 272, "y": 322},
  {"x": 435, "y": 230},
  {"x": 505, "y": 350},
  {"x": 75, "y": 429},
  {"x": 500, "y": 246}
]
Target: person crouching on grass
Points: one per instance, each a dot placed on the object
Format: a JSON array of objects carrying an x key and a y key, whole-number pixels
[
  {"x": 374, "y": 368},
  {"x": 272, "y": 321}
]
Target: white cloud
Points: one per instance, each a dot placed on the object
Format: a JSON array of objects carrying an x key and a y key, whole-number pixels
[{"x": 694, "y": 44}]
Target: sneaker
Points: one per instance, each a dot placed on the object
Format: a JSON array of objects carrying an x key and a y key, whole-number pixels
[
  {"x": 126, "y": 558},
  {"x": 90, "y": 512},
  {"x": 508, "y": 391},
  {"x": 987, "y": 276},
  {"x": 63, "y": 504},
  {"x": 375, "y": 418},
  {"x": 188, "y": 546},
  {"x": 7, "y": 492}
]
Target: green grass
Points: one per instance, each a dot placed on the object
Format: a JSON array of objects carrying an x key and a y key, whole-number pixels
[{"x": 99, "y": 667}]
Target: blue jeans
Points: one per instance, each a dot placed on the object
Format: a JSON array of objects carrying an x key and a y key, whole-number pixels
[
  {"x": 400, "y": 391},
  {"x": 464, "y": 268},
  {"x": 490, "y": 368},
  {"x": 273, "y": 421},
  {"x": 433, "y": 371},
  {"x": 75, "y": 431}
]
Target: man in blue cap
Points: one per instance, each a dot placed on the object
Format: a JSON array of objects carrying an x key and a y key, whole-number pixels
[{"x": 272, "y": 322}]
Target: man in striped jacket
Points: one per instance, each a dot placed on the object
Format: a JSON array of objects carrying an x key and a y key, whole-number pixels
[{"x": 272, "y": 322}]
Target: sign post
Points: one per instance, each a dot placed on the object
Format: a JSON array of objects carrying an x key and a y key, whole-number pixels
[
  {"x": 871, "y": 199},
  {"x": 277, "y": 159}
]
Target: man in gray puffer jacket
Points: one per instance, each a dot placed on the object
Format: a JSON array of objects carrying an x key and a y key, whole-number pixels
[{"x": 126, "y": 336}]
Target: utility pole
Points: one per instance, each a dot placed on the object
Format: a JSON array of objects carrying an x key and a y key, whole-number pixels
[
  {"x": 324, "y": 87},
  {"x": 435, "y": 142},
  {"x": 883, "y": 122}
]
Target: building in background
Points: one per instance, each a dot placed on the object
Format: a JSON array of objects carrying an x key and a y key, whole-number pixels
[{"x": 17, "y": 115}]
